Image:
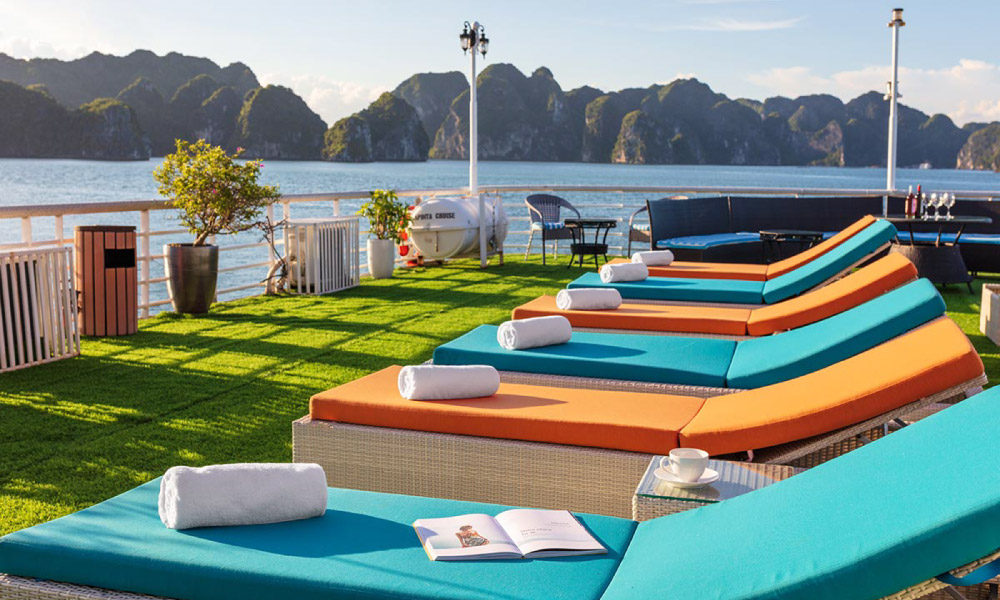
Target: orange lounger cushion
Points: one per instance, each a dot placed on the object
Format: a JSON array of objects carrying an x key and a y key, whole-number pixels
[
  {"x": 706, "y": 270},
  {"x": 861, "y": 286},
  {"x": 645, "y": 317},
  {"x": 794, "y": 262},
  {"x": 929, "y": 359},
  {"x": 604, "y": 419}
]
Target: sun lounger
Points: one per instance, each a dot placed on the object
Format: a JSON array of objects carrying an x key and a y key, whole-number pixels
[
  {"x": 588, "y": 448},
  {"x": 827, "y": 267},
  {"x": 884, "y": 521},
  {"x": 867, "y": 283},
  {"x": 750, "y": 272},
  {"x": 704, "y": 362}
]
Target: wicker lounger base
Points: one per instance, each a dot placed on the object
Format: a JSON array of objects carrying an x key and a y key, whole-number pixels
[
  {"x": 24, "y": 588},
  {"x": 883, "y": 248},
  {"x": 521, "y": 473},
  {"x": 685, "y": 334},
  {"x": 718, "y": 336},
  {"x": 619, "y": 385}
]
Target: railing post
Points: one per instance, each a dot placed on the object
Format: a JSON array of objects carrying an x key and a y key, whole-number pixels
[
  {"x": 26, "y": 231},
  {"x": 286, "y": 212},
  {"x": 210, "y": 240},
  {"x": 59, "y": 230},
  {"x": 270, "y": 219},
  {"x": 336, "y": 207},
  {"x": 144, "y": 258}
]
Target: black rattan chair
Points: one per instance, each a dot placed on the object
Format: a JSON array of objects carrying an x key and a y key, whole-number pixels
[{"x": 544, "y": 212}]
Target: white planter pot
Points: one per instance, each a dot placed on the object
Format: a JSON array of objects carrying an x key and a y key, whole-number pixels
[{"x": 381, "y": 258}]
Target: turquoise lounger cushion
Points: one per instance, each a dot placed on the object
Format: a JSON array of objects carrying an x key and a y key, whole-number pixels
[
  {"x": 765, "y": 360},
  {"x": 686, "y": 289},
  {"x": 710, "y": 240},
  {"x": 815, "y": 272},
  {"x": 875, "y": 521},
  {"x": 654, "y": 358},
  {"x": 364, "y": 547}
]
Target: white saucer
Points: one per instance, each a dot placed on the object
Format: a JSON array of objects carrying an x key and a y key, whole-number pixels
[{"x": 710, "y": 476}]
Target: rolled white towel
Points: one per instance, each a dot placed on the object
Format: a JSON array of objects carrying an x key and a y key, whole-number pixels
[
  {"x": 588, "y": 299},
  {"x": 446, "y": 382},
  {"x": 624, "y": 272},
  {"x": 654, "y": 258},
  {"x": 241, "y": 494},
  {"x": 534, "y": 332}
]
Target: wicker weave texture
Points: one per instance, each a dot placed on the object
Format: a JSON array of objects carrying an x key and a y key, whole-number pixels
[
  {"x": 717, "y": 336},
  {"x": 620, "y": 385},
  {"x": 825, "y": 283},
  {"x": 471, "y": 468},
  {"x": 18, "y": 588}
]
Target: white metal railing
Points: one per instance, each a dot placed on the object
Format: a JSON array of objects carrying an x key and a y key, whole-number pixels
[
  {"x": 38, "y": 322},
  {"x": 144, "y": 208}
]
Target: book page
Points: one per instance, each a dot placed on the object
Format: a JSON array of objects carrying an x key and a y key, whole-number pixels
[
  {"x": 465, "y": 537},
  {"x": 548, "y": 532}
]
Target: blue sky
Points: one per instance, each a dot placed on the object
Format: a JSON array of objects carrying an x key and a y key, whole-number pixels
[{"x": 340, "y": 55}]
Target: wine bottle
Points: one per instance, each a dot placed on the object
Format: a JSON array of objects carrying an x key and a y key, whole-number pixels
[{"x": 907, "y": 202}]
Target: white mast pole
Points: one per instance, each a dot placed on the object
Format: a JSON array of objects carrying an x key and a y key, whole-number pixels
[
  {"x": 893, "y": 96},
  {"x": 474, "y": 146}
]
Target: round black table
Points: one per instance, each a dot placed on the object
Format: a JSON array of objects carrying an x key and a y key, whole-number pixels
[
  {"x": 774, "y": 239},
  {"x": 580, "y": 248},
  {"x": 939, "y": 261}
]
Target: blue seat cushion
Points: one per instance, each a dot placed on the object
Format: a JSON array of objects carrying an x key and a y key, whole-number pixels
[
  {"x": 684, "y": 289},
  {"x": 872, "y": 522},
  {"x": 640, "y": 226},
  {"x": 539, "y": 225},
  {"x": 709, "y": 240},
  {"x": 765, "y": 360},
  {"x": 837, "y": 260},
  {"x": 652, "y": 358},
  {"x": 364, "y": 547},
  {"x": 947, "y": 238}
]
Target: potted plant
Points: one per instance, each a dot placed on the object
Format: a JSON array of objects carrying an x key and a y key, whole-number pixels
[
  {"x": 216, "y": 194},
  {"x": 387, "y": 220}
]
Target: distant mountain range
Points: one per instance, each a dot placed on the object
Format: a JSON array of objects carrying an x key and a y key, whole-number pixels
[
  {"x": 131, "y": 107},
  {"x": 685, "y": 122}
]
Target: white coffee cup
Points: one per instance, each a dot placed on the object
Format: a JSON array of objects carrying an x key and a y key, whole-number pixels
[{"x": 688, "y": 464}]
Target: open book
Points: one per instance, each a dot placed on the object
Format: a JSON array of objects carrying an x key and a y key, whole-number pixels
[{"x": 517, "y": 533}]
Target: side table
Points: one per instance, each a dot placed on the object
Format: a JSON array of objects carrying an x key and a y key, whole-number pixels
[
  {"x": 656, "y": 498},
  {"x": 774, "y": 239},
  {"x": 580, "y": 248}
]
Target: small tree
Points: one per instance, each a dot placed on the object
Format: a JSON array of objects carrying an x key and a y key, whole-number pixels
[
  {"x": 214, "y": 192},
  {"x": 387, "y": 216}
]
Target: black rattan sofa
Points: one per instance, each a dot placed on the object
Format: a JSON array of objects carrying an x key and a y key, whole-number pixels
[{"x": 726, "y": 228}]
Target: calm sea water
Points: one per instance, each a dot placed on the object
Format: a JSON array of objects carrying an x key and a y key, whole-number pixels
[{"x": 31, "y": 182}]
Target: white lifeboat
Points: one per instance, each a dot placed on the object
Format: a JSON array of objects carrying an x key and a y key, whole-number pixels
[{"x": 449, "y": 227}]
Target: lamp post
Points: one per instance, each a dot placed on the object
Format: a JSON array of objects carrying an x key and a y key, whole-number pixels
[
  {"x": 893, "y": 96},
  {"x": 473, "y": 37}
]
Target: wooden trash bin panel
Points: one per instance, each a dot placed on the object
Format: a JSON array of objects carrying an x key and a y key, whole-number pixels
[{"x": 106, "y": 280}]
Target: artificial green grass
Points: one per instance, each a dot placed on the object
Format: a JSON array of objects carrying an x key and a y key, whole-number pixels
[{"x": 226, "y": 386}]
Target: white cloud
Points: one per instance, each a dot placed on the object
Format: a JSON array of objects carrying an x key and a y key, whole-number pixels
[
  {"x": 677, "y": 75},
  {"x": 24, "y": 48},
  {"x": 728, "y": 25},
  {"x": 332, "y": 99},
  {"x": 967, "y": 91}
]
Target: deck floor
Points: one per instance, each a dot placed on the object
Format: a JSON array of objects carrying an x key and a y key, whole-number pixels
[{"x": 225, "y": 387}]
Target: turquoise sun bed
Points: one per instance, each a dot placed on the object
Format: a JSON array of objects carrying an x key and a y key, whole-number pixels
[
  {"x": 865, "y": 243},
  {"x": 890, "y": 515},
  {"x": 707, "y": 362}
]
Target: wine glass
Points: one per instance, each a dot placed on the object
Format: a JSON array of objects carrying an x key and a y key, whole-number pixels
[
  {"x": 949, "y": 202},
  {"x": 932, "y": 202}
]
